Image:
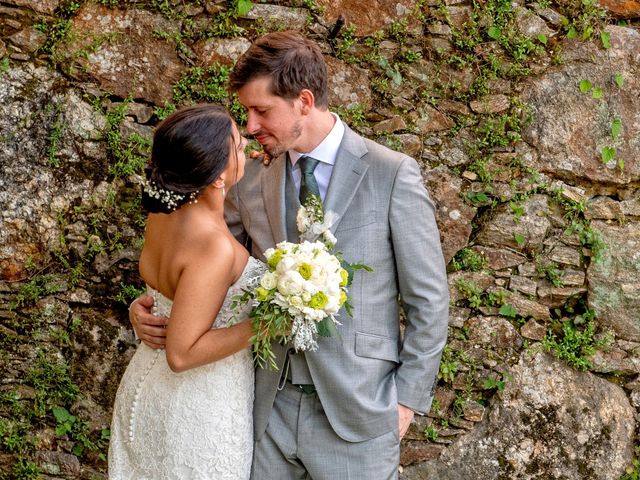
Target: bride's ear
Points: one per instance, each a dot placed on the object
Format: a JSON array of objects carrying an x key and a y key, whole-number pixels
[{"x": 219, "y": 184}]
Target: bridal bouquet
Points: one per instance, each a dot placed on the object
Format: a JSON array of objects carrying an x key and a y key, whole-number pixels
[{"x": 305, "y": 286}]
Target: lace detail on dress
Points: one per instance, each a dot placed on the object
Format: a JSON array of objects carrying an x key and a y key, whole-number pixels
[
  {"x": 249, "y": 279},
  {"x": 191, "y": 425}
]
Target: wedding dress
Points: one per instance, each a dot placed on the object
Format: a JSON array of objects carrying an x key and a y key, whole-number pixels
[{"x": 194, "y": 425}]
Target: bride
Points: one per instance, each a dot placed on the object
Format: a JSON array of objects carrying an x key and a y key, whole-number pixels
[{"x": 186, "y": 412}]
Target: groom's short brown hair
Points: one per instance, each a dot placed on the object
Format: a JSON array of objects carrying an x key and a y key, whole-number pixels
[{"x": 292, "y": 61}]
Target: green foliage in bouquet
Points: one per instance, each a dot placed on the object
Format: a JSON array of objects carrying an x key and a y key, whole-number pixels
[{"x": 306, "y": 284}]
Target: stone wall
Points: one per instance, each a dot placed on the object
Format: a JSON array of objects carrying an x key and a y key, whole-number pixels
[{"x": 525, "y": 119}]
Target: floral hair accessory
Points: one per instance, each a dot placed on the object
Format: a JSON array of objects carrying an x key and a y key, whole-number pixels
[{"x": 169, "y": 198}]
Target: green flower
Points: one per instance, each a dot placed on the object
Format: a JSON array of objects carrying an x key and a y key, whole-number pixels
[
  {"x": 275, "y": 259},
  {"x": 305, "y": 270},
  {"x": 262, "y": 294},
  {"x": 318, "y": 301},
  {"x": 343, "y": 297},
  {"x": 344, "y": 275}
]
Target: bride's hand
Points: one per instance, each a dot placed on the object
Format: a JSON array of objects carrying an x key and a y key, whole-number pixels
[{"x": 151, "y": 330}]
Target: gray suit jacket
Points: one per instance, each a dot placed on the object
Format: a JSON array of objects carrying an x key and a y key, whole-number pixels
[{"x": 386, "y": 221}]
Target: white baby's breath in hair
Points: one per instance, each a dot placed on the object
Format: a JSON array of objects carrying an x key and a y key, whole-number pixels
[{"x": 167, "y": 197}]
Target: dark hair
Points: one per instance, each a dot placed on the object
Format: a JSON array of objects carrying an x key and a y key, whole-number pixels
[
  {"x": 190, "y": 150},
  {"x": 292, "y": 61}
]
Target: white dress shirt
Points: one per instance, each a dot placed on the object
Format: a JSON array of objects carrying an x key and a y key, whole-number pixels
[{"x": 326, "y": 152}]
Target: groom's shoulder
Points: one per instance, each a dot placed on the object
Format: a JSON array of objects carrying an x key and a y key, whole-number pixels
[
  {"x": 375, "y": 152},
  {"x": 253, "y": 170},
  {"x": 383, "y": 156}
]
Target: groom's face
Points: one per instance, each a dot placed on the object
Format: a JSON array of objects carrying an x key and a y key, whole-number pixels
[{"x": 275, "y": 122}]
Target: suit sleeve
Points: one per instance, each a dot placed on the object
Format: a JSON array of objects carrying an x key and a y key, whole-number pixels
[{"x": 422, "y": 282}]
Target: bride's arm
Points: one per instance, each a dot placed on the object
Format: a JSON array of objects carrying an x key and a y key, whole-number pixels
[{"x": 200, "y": 292}]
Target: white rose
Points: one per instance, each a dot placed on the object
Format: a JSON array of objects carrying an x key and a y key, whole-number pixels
[
  {"x": 302, "y": 220},
  {"x": 290, "y": 283},
  {"x": 286, "y": 247},
  {"x": 320, "y": 247},
  {"x": 332, "y": 305},
  {"x": 296, "y": 301},
  {"x": 319, "y": 276},
  {"x": 269, "y": 281},
  {"x": 333, "y": 289},
  {"x": 308, "y": 289},
  {"x": 287, "y": 263},
  {"x": 307, "y": 249}
]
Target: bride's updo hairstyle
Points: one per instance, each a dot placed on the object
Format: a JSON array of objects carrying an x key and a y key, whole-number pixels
[{"x": 190, "y": 150}]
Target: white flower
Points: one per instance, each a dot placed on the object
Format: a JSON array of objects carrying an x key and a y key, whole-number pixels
[
  {"x": 329, "y": 237},
  {"x": 311, "y": 225},
  {"x": 290, "y": 283},
  {"x": 302, "y": 220},
  {"x": 296, "y": 301},
  {"x": 269, "y": 281},
  {"x": 303, "y": 275},
  {"x": 285, "y": 265},
  {"x": 315, "y": 315},
  {"x": 333, "y": 305},
  {"x": 319, "y": 276}
]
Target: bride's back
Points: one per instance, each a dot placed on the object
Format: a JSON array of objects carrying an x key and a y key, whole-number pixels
[{"x": 174, "y": 242}]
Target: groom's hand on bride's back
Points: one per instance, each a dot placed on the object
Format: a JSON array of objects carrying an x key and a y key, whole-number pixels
[{"x": 149, "y": 328}]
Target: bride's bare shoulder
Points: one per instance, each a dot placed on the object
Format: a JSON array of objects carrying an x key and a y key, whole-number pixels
[{"x": 196, "y": 235}]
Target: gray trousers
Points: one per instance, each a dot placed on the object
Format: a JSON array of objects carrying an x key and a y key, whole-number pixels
[{"x": 299, "y": 443}]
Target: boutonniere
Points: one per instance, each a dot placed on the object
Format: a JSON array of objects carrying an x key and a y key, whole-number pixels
[{"x": 314, "y": 223}]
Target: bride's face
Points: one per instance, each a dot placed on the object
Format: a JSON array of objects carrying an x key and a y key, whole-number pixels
[
  {"x": 274, "y": 121},
  {"x": 235, "y": 166}
]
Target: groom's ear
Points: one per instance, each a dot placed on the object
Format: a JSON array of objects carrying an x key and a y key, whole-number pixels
[{"x": 307, "y": 101}]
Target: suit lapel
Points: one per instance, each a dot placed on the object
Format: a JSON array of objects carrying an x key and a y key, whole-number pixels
[
  {"x": 273, "y": 185},
  {"x": 346, "y": 176}
]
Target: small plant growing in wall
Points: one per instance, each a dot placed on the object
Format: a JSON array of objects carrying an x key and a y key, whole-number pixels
[
  {"x": 496, "y": 382},
  {"x": 469, "y": 260},
  {"x": 431, "y": 433},
  {"x": 608, "y": 152},
  {"x": 574, "y": 340}
]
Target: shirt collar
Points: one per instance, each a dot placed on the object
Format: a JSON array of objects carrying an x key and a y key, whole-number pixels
[{"x": 327, "y": 150}]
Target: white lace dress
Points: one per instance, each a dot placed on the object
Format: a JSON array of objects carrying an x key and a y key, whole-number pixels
[{"x": 193, "y": 425}]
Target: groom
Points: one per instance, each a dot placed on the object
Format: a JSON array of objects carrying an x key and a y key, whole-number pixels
[{"x": 338, "y": 412}]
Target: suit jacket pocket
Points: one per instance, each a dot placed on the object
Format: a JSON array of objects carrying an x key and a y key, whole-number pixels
[
  {"x": 376, "y": 346},
  {"x": 351, "y": 222}
]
